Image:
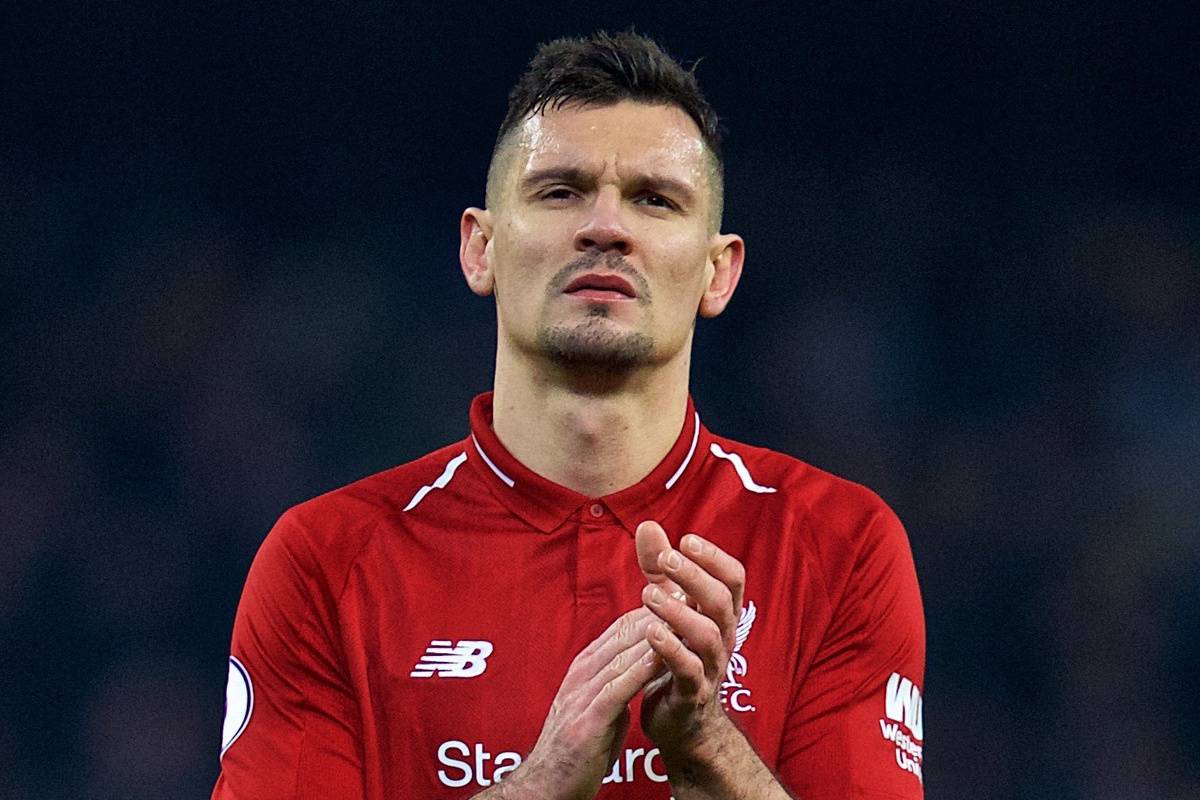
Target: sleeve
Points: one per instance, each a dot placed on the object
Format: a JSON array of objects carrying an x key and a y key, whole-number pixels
[
  {"x": 855, "y": 725},
  {"x": 291, "y": 721}
]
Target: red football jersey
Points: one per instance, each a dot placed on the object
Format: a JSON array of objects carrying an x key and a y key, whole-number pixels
[{"x": 404, "y": 636}]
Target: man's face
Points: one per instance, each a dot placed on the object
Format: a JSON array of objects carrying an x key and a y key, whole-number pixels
[{"x": 599, "y": 245}]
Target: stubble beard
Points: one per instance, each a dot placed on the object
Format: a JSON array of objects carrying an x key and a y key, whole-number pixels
[{"x": 594, "y": 344}]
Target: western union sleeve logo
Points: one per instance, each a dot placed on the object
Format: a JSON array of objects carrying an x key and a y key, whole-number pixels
[{"x": 904, "y": 723}]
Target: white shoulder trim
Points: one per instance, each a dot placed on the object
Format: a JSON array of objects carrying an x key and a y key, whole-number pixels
[
  {"x": 488, "y": 461},
  {"x": 742, "y": 472},
  {"x": 440, "y": 483},
  {"x": 691, "y": 451}
]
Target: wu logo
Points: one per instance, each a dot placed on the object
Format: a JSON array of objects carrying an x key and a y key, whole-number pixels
[
  {"x": 903, "y": 703},
  {"x": 466, "y": 659},
  {"x": 732, "y": 692},
  {"x": 906, "y": 729}
]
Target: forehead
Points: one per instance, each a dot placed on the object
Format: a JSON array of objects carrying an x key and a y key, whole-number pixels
[{"x": 625, "y": 138}]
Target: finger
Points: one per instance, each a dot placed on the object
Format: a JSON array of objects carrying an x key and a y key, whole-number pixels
[
  {"x": 627, "y": 675},
  {"x": 716, "y": 562},
  {"x": 618, "y": 664},
  {"x": 651, "y": 541},
  {"x": 714, "y": 598},
  {"x": 685, "y": 666},
  {"x": 625, "y": 631},
  {"x": 702, "y": 635}
]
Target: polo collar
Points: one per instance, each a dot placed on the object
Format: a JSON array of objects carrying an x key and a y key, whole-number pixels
[{"x": 547, "y": 505}]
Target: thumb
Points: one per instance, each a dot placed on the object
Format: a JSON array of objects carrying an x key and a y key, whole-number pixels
[{"x": 651, "y": 539}]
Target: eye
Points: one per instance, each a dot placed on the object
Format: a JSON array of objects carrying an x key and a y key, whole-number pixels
[
  {"x": 557, "y": 193},
  {"x": 656, "y": 201}
]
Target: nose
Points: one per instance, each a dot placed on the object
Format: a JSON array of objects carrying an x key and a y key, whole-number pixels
[{"x": 604, "y": 229}]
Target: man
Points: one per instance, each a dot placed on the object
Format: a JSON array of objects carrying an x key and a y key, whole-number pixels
[{"x": 591, "y": 595}]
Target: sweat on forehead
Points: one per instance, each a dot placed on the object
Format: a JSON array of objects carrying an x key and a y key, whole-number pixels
[{"x": 627, "y": 140}]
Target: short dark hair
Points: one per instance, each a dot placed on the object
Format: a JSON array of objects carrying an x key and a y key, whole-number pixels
[{"x": 604, "y": 69}]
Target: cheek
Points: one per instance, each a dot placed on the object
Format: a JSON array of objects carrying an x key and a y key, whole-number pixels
[
  {"x": 524, "y": 261},
  {"x": 687, "y": 275},
  {"x": 522, "y": 250}
]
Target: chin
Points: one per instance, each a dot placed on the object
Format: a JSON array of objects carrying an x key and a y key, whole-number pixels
[{"x": 596, "y": 345}]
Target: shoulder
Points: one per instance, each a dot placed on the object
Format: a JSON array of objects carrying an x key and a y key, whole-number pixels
[
  {"x": 379, "y": 495},
  {"x": 846, "y": 538},
  {"x": 812, "y": 491},
  {"x": 322, "y": 537},
  {"x": 834, "y": 519}
]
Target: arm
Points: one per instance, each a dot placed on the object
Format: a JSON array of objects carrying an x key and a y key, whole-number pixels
[
  {"x": 855, "y": 729},
  {"x": 706, "y": 756},
  {"x": 299, "y": 736},
  {"x": 856, "y": 726}
]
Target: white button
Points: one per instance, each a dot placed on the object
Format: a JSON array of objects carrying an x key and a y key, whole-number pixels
[{"x": 597, "y": 510}]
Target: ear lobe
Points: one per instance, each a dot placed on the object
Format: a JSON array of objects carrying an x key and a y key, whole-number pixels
[
  {"x": 474, "y": 235},
  {"x": 725, "y": 258}
]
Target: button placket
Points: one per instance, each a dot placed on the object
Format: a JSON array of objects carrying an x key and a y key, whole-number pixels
[{"x": 593, "y": 547}]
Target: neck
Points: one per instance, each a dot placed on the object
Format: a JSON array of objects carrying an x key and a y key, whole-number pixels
[{"x": 595, "y": 432}]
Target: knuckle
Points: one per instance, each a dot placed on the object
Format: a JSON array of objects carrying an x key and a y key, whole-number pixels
[
  {"x": 711, "y": 637},
  {"x": 608, "y": 692},
  {"x": 725, "y": 597},
  {"x": 738, "y": 574}
]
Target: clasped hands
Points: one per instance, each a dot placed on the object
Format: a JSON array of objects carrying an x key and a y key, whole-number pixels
[
  {"x": 675, "y": 649},
  {"x": 695, "y": 597}
]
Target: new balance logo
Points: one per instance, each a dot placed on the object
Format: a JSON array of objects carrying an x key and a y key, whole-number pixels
[{"x": 466, "y": 659}]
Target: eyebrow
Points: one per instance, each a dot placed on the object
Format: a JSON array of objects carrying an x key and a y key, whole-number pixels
[{"x": 585, "y": 179}]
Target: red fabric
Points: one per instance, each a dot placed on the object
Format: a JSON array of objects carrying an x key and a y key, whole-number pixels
[{"x": 350, "y": 591}]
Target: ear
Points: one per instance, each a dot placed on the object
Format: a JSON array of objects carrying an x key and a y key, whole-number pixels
[
  {"x": 474, "y": 238},
  {"x": 725, "y": 258}
]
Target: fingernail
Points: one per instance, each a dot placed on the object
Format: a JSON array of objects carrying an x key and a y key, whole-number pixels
[
  {"x": 673, "y": 560},
  {"x": 658, "y": 633},
  {"x": 656, "y": 595},
  {"x": 693, "y": 544}
]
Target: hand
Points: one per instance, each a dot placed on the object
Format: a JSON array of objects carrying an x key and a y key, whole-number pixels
[
  {"x": 585, "y": 729},
  {"x": 693, "y": 636}
]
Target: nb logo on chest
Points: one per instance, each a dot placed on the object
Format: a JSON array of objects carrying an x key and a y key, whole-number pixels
[{"x": 445, "y": 659}]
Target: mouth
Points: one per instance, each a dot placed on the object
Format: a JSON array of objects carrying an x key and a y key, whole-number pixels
[{"x": 601, "y": 286}]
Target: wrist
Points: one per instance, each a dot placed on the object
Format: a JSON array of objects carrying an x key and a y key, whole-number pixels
[
  {"x": 534, "y": 780},
  {"x": 704, "y": 755},
  {"x": 526, "y": 782}
]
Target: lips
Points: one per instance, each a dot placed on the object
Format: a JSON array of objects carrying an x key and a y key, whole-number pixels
[{"x": 606, "y": 282}]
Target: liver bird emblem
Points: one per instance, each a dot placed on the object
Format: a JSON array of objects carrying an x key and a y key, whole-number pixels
[{"x": 737, "y": 662}]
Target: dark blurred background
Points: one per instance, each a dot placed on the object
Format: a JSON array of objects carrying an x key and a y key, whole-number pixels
[{"x": 229, "y": 246}]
